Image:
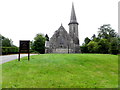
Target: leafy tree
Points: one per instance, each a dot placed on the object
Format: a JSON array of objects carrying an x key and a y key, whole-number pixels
[
  {"x": 93, "y": 47},
  {"x": 114, "y": 46},
  {"x": 106, "y": 32},
  {"x": 93, "y": 37},
  {"x": 87, "y": 40},
  {"x": 39, "y": 43},
  {"x": 6, "y": 42},
  {"x": 103, "y": 45},
  {"x": 96, "y": 39},
  {"x": 84, "y": 48},
  {"x": 47, "y": 38}
]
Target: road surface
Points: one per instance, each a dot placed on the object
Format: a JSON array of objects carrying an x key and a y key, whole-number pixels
[{"x": 7, "y": 58}]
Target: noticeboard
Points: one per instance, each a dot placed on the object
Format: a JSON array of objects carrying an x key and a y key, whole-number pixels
[{"x": 24, "y": 46}]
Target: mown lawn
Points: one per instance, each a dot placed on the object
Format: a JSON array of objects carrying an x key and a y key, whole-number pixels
[{"x": 62, "y": 71}]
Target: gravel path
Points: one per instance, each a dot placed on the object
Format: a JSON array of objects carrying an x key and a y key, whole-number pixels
[{"x": 7, "y": 58}]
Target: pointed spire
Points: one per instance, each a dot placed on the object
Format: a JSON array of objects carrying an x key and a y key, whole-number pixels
[{"x": 73, "y": 15}]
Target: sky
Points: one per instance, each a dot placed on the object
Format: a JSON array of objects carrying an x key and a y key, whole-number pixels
[{"x": 23, "y": 19}]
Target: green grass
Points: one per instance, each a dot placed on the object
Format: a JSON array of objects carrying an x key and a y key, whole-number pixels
[{"x": 62, "y": 71}]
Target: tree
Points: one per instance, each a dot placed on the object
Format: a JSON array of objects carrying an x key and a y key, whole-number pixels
[
  {"x": 106, "y": 32},
  {"x": 84, "y": 48},
  {"x": 87, "y": 40},
  {"x": 93, "y": 47},
  {"x": 93, "y": 37},
  {"x": 47, "y": 38},
  {"x": 103, "y": 45},
  {"x": 39, "y": 43},
  {"x": 114, "y": 49},
  {"x": 6, "y": 42}
]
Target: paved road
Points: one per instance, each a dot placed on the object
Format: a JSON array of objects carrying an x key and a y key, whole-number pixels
[{"x": 8, "y": 58}]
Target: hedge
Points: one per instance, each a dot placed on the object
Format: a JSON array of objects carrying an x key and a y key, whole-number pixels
[{"x": 9, "y": 50}]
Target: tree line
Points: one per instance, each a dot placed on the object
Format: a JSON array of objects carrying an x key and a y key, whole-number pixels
[
  {"x": 107, "y": 41},
  {"x": 7, "y": 46}
]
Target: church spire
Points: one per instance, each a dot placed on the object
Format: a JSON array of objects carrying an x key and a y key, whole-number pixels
[{"x": 73, "y": 19}]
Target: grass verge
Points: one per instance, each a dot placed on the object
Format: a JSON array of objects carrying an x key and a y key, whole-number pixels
[{"x": 62, "y": 71}]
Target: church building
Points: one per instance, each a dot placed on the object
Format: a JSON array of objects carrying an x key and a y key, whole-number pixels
[{"x": 62, "y": 41}]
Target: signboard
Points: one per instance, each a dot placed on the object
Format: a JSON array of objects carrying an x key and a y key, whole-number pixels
[{"x": 24, "y": 46}]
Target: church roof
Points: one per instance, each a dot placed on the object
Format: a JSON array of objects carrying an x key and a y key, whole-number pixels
[
  {"x": 73, "y": 19},
  {"x": 61, "y": 27},
  {"x": 60, "y": 32}
]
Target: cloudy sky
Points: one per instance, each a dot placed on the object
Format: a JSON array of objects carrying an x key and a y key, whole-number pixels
[{"x": 23, "y": 19}]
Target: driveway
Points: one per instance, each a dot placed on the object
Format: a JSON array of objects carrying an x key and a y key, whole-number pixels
[{"x": 7, "y": 58}]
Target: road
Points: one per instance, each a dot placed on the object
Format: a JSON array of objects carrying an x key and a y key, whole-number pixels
[{"x": 7, "y": 58}]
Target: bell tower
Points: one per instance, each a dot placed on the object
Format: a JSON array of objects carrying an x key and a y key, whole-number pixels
[
  {"x": 73, "y": 31},
  {"x": 73, "y": 26}
]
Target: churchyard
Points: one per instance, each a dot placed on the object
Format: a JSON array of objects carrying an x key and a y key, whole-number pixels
[{"x": 62, "y": 71}]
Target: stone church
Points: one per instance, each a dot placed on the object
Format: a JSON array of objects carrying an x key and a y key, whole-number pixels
[{"x": 62, "y": 41}]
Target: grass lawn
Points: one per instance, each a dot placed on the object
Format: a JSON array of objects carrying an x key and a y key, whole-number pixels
[{"x": 62, "y": 71}]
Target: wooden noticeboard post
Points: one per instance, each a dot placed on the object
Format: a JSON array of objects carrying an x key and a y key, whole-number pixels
[{"x": 24, "y": 46}]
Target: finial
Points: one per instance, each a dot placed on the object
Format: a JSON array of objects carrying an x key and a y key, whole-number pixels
[
  {"x": 61, "y": 24},
  {"x": 72, "y": 3}
]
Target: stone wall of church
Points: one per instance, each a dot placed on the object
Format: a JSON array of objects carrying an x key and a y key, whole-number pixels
[{"x": 61, "y": 50}]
